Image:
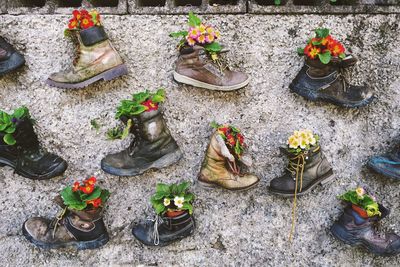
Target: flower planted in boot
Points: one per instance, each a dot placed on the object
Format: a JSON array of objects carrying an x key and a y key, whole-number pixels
[
  {"x": 79, "y": 224},
  {"x": 387, "y": 164},
  {"x": 20, "y": 148},
  {"x": 96, "y": 58},
  {"x": 10, "y": 59},
  {"x": 200, "y": 63},
  {"x": 323, "y": 75},
  {"x": 307, "y": 166},
  {"x": 223, "y": 161},
  {"x": 153, "y": 146},
  {"x": 356, "y": 226},
  {"x": 174, "y": 220}
]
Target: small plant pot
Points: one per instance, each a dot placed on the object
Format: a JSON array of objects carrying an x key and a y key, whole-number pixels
[
  {"x": 174, "y": 213},
  {"x": 363, "y": 213}
]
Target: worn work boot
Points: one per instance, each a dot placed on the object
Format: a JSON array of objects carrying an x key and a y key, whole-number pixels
[
  {"x": 195, "y": 68},
  {"x": 96, "y": 60},
  {"x": 327, "y": 82},
  {"x": 305, "y": 170},
  {"x": 70, "y": 228},
  {"x": 356, "y": 230},
  {"x": 152, "y": 148},
  {"x": 9, "y": 58},
  {"x": 27, "y": 157},
  {"x": 164, "y": 230},
  {"x": 220, "y": 168},
  {"x": 387, "y": 165}
]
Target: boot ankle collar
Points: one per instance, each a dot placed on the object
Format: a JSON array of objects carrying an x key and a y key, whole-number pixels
[
  {"x": 171, "y": 222},
  {"x": 93, "y": 35}
]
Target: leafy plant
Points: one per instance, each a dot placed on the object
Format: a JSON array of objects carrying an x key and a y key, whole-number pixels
[
  {"x": 359, "y": 198},
  {"x": 234, "y": 140},
  {"x": 95, "y": 125},
  {"x": 119, "y": 132},
  {"x": 84, "y": 196},
  {"x": 8, "y": 123},
  {"x": 173, "y": 197}
]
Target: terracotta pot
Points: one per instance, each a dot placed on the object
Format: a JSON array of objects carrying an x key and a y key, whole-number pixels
[
  {"x": 360, "y": 211},
  {"x": 174, "y": 213}
]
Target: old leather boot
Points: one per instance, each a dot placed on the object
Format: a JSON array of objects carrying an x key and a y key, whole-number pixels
[
  {"x": 96, "y": 60},
  {"x": 152, "y": 148},
  {"x": 195, "y": 68},
  {"x": 9, "y": 58},
  {"x": 355, "y": 230},
  {"x": 317, "y": 81},
  {"x": 305, "y": 170},
  {"x": 27, "y": 156},
  {"x": 164, "y": 230},
  {"x": 221, "y": 168},
  {"x": 70, "y": 228},
  {"x": 387, "y": 165}
]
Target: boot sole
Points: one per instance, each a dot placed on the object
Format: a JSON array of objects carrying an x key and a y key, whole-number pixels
[
  {"x": 340, "y": 233},
  {"x": 57, "y": 171},
  {"x": 383, "y": 172},
  {"x": 325, "y": 179},
  {"x": 187, "y": 80},
  {"x": 210, "y": 186},
  {"x": 18, "y": 61},
  {"x": 79, "y": 245},
  {"x": 107, "y": 75},
  {"x": 315, "y": 96},
  {"x": 163, "y": 162}
]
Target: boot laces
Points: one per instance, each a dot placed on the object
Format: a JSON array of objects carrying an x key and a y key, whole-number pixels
[
  {"x": 346, "y": 76},
  {"x": 156, "y": 236},
  {"x": 57, "y": 220}
]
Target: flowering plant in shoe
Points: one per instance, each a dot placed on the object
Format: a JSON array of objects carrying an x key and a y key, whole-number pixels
[
  {"x": 83, "y": 19},
  {"x": 200, "y": 34},
  {"x": 172, "y": 199},
  {"x": 8, "y": 123},
  {"x": 301, "y": 141},
  {"x": 234, "y": 140},
  {"x": 85, "y": 195},
  {"x": 361, "y": 199},
  {"x": 323, "y": 46}
]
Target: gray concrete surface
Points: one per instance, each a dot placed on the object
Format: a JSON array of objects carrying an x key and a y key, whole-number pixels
[{"x": 233, "y": 229}]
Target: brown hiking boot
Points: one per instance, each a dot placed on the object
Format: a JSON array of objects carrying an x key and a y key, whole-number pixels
[
  {"x": 195, "y": 68},
  {"x": 96, "y": 60},
  {"x": 220, "y": 168},
  {"x": 70, "y": 228}
]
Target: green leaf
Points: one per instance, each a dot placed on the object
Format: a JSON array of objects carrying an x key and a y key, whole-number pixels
[
  {"x": 137, "y": 110},
  {"x": 182, "y": 34},
  {"x": 194, "y": 20},
  {"x": 342, "y": 55},
  {"x": 141, "y": 97},
  {"x": 159, "y": 208},
  {"x": 21, "y": 112},
  {"x": 300, "y": 51},
  {"x": 9, "y": 139},
  {"x": 163, "y": 188},
  {"x": 187, "y": 206},
  {"x": 3, "y": 127},
  {"x": 78, "y": 206},
  {"x": 105, "y": 194},
  {"x": 189, "y": 197},
  {"x": 322, "y": 32},
  {"x": 214, "y": 125},
  {"x": 277, "y": 2},
  {"x": 114, "y": 133},
  {"x": 95, "y": 125},
  {"x": 325, "y": 57},
  {"x": 95, "y": 194},
  {"x": 10, "y": 129},
  {"x": 159, "y": 96},
  {"x": 127, "y": 129},
  {"x": 174, "y": 189},
  {"x": 182, "y": 187},
  {"x": 69, "y": 197},
  {"x": 213, "y": 47},
  {"x": 160, "y": 195},
  {"x": 317, "y": 42}
]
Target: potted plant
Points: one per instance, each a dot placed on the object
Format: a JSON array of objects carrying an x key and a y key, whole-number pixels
[{"x": 361, "y": 202}]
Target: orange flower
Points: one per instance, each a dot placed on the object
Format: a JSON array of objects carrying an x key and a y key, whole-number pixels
[
  {"x": 77, "y": 15},
  {"x": 86, "y": 22},
  {"x": 336, "y": 48},
  {"x": 311, "y": 51},
  {"x": 75, "y": 187},
  {"x": 73, "y": 23},
  {"x": 87, "y": 189},
  {"x": 327, "y": 40},
  {"x": 95, "y": 202},
  {"x": 231, "y": 140},
  {"x": 90, "y": 181}
]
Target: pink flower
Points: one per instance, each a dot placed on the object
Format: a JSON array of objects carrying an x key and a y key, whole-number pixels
[
  {"x": 201, "y": 39},
  {"x": 194, "y": 33},
  {"x": 190, "y": 41},
  {"x": 210, "y": 38}
]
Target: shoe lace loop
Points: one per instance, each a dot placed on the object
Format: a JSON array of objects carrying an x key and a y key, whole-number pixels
[
  {"x": 56, "y": 221},
  {"x": 156, "y": 236}
]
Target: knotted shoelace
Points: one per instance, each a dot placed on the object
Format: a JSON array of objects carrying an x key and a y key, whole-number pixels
[
  {"x": 156, "y": 236},
  {"x": 56, "y": 221}
]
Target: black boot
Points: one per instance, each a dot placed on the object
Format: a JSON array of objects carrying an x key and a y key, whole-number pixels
[
  {"x": 9, "y": 58},
  {"x": 164, "y": 230},
  {"x": 27, "y": 157},
  {"x": 153, "y": 147},
  {"x": 387, "y": 164}
]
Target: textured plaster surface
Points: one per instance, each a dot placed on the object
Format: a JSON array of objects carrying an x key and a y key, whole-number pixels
[{"x": 233, "y": 229}]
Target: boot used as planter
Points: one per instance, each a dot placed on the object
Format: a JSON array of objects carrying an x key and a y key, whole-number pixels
[
  {"x": 96, "y": 58},
  {"x": 356, "y": 226},
  {"x": 201, "y": 62},
  {"x": 10, "y": 59},
  {"x": 80, "y": 223},
  {"x": 153, "y": 146},
  {"x": 20, "y": 148},
  {"x": 387, "y": 164},
  {"x": 223, "y": 161},
  {"x": 174, "y": 220},
  {"x": 323, "y": 75},
  {"x": 307, "y": 166}
]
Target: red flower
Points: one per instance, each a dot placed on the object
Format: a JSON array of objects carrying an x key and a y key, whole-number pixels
[
  {"x": 77, "y": 15},
  {"x": 240, "y": 138},
  {"x": 223, "y": 130},
  {"x": 84, "y": 13},
  {"x": 150, "y": 105},
  {"x": 87, "y": 189},
  {"x": 75, "y": 187},
  {"x": 311, "y": 51},
  {"x": 73, "y": 23},
  {"x": 336, "y": 48},
  {"x": 90, "y": 181},
  {"x": 95, "y": 202},
  {"x": 327, "y": 40},
  {"x": 86, "y": 22},
  {"x": 230, "y": 139}
]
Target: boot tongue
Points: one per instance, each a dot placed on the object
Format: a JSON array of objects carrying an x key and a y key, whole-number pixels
[{"x": 25, "y": 134}]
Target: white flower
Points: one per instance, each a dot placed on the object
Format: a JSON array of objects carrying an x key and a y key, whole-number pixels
[
  {"x": 167, "y": 202},
  {"x": 360, "y": 191},
  {"x": 179, "y": 201}
]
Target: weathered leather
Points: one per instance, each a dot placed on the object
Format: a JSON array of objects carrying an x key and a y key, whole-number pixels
[
  {"x": 5, "y": 49},
  {"x": 9, "y": 58},
  {"x": 387, "y": 164},
  {"x": 215, "y": 171}
]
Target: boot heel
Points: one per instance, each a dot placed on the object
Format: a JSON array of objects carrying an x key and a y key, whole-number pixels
[{"x": 115, "y": 72}]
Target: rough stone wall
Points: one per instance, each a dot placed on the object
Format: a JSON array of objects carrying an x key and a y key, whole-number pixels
[{"x": 233, "y": 229}]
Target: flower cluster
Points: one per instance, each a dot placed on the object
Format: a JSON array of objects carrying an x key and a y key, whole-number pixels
[
  {"x": 178, "y": 202},
  {"x": 323, "y": 46},
  {"x": 363, "y": 200},
  {"x": 140, "y": 102},
  {"x": 302, "y": 140},
  {"x": 81, "y": 195},
  {"x": 83, "y": 19},
  {"x": 232, "y": 137}
]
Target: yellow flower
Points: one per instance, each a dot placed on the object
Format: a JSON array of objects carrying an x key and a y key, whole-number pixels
[
  {"x": 360, "y": 191},
  {"x": 178, "y": 201},
  {"x": 303, "y": 143},
  {"x": 293, "y": 142},
  {"x": 202, "y": 29},
  {"x": 214, "y": 56},
  {"x": 210, "y": 31},
  {"x": 217, "y": 34},
  {"x": 167, "y": 202}
]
